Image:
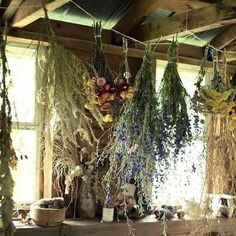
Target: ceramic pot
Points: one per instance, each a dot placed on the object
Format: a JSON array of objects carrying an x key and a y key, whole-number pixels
[{"x": 107, "y": 214}]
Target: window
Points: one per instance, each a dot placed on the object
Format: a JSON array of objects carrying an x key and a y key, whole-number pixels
[
  {"x": 185, "y": 178},
  {"x": 22, "y": 89}
]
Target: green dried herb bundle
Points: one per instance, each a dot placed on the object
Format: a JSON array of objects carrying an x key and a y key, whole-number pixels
[
  {"x": 64, "y": 92},
  {"x": 7, "y": 153},
  {"x": 175, "y": 128},
  {"x": 98, "y": 60},
  {"x": 123, "y": 86},
  {"x": 132, "y": 148},
  {"x": 124, "y": 74}
]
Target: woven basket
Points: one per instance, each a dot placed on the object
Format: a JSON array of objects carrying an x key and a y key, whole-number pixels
[{"x": 47, "y": 216}]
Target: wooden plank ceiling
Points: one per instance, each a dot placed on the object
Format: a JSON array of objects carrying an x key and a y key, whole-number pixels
[{"x": 187, "y": 15}]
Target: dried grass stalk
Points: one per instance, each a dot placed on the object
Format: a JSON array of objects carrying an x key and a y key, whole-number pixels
[{"x": 64, "y": 92}]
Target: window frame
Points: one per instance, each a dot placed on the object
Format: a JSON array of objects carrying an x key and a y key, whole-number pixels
[{"x": 15, "y": 50}]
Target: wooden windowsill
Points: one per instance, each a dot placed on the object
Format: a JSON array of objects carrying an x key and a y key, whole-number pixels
[{"x": 148, "y": 226}]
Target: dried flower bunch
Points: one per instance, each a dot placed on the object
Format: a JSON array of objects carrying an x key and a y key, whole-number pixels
[
  {"x": 7, "y": 154},
  {"x": 216, "y": 97},
  {"x": 109, "y": 94},
  {"x": 132, "y": 148}
]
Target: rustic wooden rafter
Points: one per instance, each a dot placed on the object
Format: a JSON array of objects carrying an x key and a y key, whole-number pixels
[
  {"x": 197, "y": 20},
  {"x": 31, "y": 10},
  {"x": 225, "y": 38},
  {"x": 11, "y": 9},
  {"x": 144, "y": 8},
  {"x": 188, "y": 54},
  {"x": 137, "y": 14}
]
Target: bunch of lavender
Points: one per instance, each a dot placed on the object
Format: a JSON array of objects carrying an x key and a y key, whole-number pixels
[
  {"x": 132, "y": 149},
  {"x": 175, "y": 128}
]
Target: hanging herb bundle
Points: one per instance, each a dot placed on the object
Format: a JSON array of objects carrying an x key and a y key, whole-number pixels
[
  {"x": 132, "y": 148},
  {"x": 63, "y": 92},
  {"x": 101, "y": 79},
  {"x": 124, "y": 90},
  {"x": 98, "y": 60},
  {"x": 216, "y": 97},
  {"x": 175, "y": 128},
  {"x": 123, "y": 83},
  {"x": 7, "y": 153},
  {"x": 109, "y": 95}
]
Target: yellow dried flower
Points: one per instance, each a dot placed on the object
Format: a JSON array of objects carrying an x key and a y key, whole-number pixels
[{"x": 107, "y": 118}]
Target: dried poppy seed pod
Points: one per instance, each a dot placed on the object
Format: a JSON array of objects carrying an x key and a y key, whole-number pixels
[{"x": 101, "y": 81}]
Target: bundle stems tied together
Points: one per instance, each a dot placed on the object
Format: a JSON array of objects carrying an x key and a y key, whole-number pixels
[
  {"x": 132, "y": 148},
  {"x": 124, "y": 74},
  {"x": 98, "y": 60},
  {"x": 63, "y": 93},
  {"x": 175, "y": 128},
  {"x": 217, "y": 96}
]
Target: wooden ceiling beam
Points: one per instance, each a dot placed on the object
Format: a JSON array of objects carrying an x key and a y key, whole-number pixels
[
  {"x": 144, "y": 8},
  {"x": 187, "y": 53},
  {"x": 140, "y": 10},
  {"x": 69, "y": 30},
  {"x": 197, "y": 20},
  {"x": 11, "y": 9},
  {"x": 31, "y": 10},
  {"x": 225, "y": 38},
  {"x": 190, "y": 55},
  {"x": 178, "y": 6}
]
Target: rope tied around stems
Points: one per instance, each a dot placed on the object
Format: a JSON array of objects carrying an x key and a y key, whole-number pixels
[
  {"x": 149, "y": 50},
  {"x": 125, "y": 45},
  {"x": 203, "y": 68},
  {"x": 172, "y": 53},
  {"x": 126, "y": 71}
]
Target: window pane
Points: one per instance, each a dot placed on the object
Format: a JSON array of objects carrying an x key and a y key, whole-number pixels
[
  {"x": 22, "y": 91},
  {"x": 185, "y": 179},
  {"x": 24, "y": 142}
]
